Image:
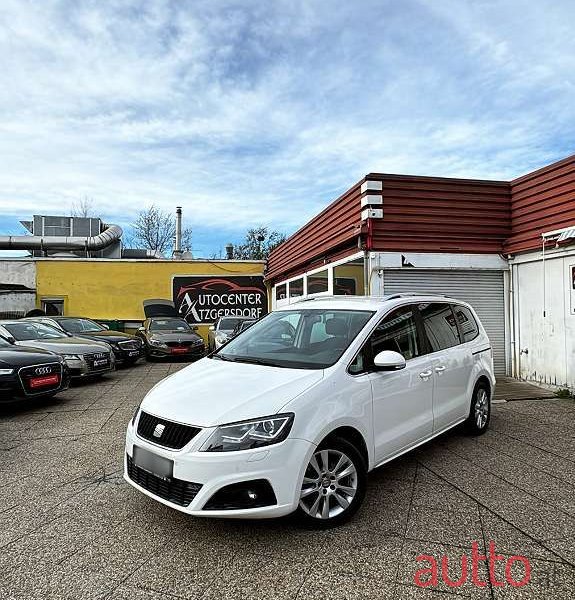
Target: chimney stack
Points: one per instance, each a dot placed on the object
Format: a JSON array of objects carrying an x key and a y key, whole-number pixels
[{"x": 178, "y": 244}]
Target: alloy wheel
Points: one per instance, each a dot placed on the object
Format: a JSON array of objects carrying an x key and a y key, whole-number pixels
[
  {"x": 481, "y": 408},
  {"x": 329, "y": 485}
]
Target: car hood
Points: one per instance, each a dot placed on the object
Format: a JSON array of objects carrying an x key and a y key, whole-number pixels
[
  {"x": 174, "y": 336},
  {"x": 17, "y": 356},
  {"x": 69, "y": 345},
  {"x": 106, "y": 336},
  {"x": 213, "y": 392}
]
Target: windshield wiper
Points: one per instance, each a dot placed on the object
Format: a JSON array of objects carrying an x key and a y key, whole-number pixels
[
  {"x": 253, "y": 361},
  {"x": 220, "y": 357}
]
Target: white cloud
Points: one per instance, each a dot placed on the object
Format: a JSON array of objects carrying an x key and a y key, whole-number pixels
[{"x": 248, "y": 112}]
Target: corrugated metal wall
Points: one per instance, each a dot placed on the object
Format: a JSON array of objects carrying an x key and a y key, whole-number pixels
[
  {"x": 541, "y": 201},
  {"x": 482, "y": 289},
  {"x": 432, "y": 214},
  {"x": 330, "y": 235}
]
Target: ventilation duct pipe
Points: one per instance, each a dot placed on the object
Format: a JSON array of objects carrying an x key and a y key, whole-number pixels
[{"x": 111, "y": 234}]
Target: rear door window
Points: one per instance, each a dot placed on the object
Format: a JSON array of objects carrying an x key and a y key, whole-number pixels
[
  {"x": 467, "y": 324},
  {"x": 439, "y": 325}
]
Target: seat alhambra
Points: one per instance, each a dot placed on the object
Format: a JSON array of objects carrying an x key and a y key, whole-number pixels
[{"x": 291, "y": 415}]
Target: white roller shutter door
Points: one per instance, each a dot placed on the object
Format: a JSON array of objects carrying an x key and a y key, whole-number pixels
[{"x": 482, "y": 289}]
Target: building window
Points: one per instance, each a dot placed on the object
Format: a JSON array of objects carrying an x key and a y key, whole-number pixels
[
  {"x": 317, "y": 283},
  {"x": 281, "y": 292},
  {"x": 296, "y": 288},
  {"x": 53, "y": 306}
]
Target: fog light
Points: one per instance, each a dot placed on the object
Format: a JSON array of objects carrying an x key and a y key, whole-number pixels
[{"x": 247, "y": 494}]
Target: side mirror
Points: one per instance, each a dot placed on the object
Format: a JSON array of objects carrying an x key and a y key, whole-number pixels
[
  {"x": 141, "y": 328},
  {"x": 388, "y": 360},
  {"x": 212, "y": 327},
  {"x": 105, "y": 326}
]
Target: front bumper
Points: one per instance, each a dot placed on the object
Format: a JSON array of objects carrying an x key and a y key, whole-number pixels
[
  {"x": 123, "y": 355},
  {"x": 281, "y": 465},
  {"x": 171, "y": 352},
  {"x": 12, "y": 388},
  {"x": 80, "y": 368}
]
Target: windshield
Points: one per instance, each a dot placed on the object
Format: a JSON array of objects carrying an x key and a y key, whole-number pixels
[
  {"x": 169, "y": 325},
  {"x": 299, "y": 339},
  {"x": 33, "y": 331},
  {"x": 228, "y": 323},
  {"x": 80, "y": 325}
]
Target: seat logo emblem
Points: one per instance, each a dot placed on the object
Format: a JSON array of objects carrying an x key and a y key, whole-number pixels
[
  {"x": 43, "y": 370},
  {"x": 158, "y": 430}
]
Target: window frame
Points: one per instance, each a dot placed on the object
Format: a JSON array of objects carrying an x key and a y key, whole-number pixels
[
  {"x": 430, "y": 349},
  {"x": 462, "y": 339},
  {"x": 368, "y": 349}
]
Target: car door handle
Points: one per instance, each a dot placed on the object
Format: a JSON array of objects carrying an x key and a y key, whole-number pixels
[
  {"x": 425, "y": 374},
  {"x": 439, "y": 369}
]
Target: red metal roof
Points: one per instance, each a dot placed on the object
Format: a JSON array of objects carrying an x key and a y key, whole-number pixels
[
  {"x": 435, "y": 214},
  {"x": 541, "y": 201}
]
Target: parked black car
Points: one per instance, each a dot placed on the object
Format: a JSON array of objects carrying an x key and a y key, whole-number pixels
[
  {"x": 30, "y": 373},
  {"x": 127, "y": 348}
]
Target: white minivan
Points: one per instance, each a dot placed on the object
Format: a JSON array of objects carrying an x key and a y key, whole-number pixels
[{"x": 291, "y": 414}]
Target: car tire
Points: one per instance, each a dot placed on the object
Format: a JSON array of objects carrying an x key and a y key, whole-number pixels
[
  {"x": 477, "y": 422},
  {"x": 331, "y": 494}
]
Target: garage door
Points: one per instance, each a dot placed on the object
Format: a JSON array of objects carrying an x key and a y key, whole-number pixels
[{"x": 482, "y": 289}]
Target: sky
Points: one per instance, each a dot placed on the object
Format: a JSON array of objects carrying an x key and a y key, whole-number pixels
[{"x": 251, "y": 113}]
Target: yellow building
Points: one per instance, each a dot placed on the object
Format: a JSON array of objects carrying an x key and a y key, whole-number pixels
[{"x": 115, "y": 289}]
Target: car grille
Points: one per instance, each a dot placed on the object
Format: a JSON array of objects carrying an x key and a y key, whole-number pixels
[
  {"x": 27, "y": 374},
  {"x": 130, "y": 345},
  {"x": 173, "y": 435},
  {"x": 173, "y": 490},
  {"x": 186, "y": 343},
  {"x": 91, "y": 360}
]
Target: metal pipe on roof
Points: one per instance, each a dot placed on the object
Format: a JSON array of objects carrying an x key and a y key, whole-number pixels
[
  {"x": 111, "y": 234},
  {"x": 178, "y": 242}
]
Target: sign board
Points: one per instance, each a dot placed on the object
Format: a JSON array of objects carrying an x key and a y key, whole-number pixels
[{"x": 203, "y": 299}]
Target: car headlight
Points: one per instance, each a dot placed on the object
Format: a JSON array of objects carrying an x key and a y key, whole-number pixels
[
  {"x": 136, "y": 414},
  {"x": 221, "y": 338},
  {"x": 6, "y": 371},
  {"x": 156, "y": 342},
  {"x": 71, "y": 357},
  {"x": 248, "y": 435}
]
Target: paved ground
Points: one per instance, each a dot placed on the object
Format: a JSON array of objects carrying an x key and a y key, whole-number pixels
[{"x": 70, "y": 527}]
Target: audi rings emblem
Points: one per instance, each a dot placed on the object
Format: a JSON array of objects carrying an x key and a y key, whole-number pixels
[{"x": 42, "y": 370}]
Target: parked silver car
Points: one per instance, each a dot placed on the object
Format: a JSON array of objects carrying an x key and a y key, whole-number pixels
[
  {"x": 221, "y": 331},
  {"x": 83, "y": 358}
]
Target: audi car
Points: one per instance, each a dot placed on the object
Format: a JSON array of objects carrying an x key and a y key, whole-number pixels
[
  {"x": 171, "y": 337},
  {"x": 84, "y": 358},
  {"x": 30, "y": 373},
  {"x": 127, "y": 348}
]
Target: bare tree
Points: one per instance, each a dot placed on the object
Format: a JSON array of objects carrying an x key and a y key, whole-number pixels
[
  {"x": 83, "y": 207},
  {"x": 258, "y": 244},
  {"x": 155, "y": 229}
]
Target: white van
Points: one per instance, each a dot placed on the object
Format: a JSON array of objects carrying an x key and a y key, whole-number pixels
[{"x": 293, "y": 413}]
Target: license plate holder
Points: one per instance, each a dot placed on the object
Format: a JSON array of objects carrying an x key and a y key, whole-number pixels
[
  {"x": 179, "y": 350},
  {"x": 133, "y": 353},
  {"x": 46, "y": 380},
  {"x": 153, "y": 463},
  {"x": 101, "y": 363}
]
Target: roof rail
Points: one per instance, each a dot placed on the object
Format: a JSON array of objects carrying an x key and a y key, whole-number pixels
[{"x": 410, "y": 295}]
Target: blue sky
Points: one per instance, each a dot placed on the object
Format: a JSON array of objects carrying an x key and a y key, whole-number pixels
[{"x": 248, "y": 113}]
